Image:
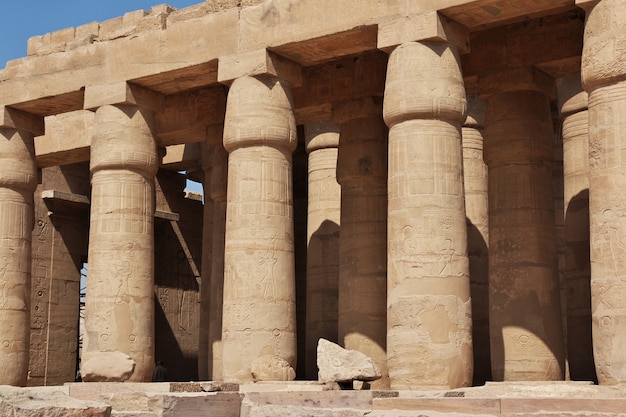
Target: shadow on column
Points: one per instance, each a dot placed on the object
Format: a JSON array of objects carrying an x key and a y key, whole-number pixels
[
  {"x": 578, "y": 297},
  {"x": 478, "y": 254},
  {"x": 323, "y": 292}
]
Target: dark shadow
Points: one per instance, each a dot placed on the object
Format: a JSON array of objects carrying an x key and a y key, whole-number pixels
[
  {"x": 322, "y": 292},
  {"x": 181, "y": 366},
  {"x": 578, "y": 285},
  {"x": 478, "y": 254}
]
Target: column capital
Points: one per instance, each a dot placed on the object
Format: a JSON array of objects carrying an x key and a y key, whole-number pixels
[
  {"x": 258, "y": 63},
  {"x": 423, "y": 27},
  {"x": 122, "y": 93},
  {"x": 571, "y": 96},
  {"x": 586, "y": 5},
  {"x": 517, "y": 79},
  {"x": 11, "y": 118},
  {"x": 321, "y": 135}
]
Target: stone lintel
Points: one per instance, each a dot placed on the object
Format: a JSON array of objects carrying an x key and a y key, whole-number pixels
[
  {"x": 122, "y": 93},
  {"x": 16, "y": 119},
  {"x": 586, "y": 4},
  {"x": 259, "y": 62},
  {"x": 67, "y": 139},
  {"x": 553, "y": 44},
  {"x": 343, "y": 79},
  {"x": 183, "y": 79},
  {"x": 65, "y": 203},
  {"x": 185, "y": 116},
  {"x": 518, "y": 79},
  {"x": 166, "y": 215},
  {"x": 346, "y": 111},
  {"x": 181, "y": 157},
  {"x": 424, "y": 27}
]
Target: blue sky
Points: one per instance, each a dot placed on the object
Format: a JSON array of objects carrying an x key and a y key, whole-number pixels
[{"x": 21, "y": 19}]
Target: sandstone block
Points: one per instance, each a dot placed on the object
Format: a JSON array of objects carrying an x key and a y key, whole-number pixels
[
  {"x": 51, "y": 403},
  {"x": 340, "y": 365},
  {"x": 107, "y": 366},
  {"x": 272, "y": 368}
]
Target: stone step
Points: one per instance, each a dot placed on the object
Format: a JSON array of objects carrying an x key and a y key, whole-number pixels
[{"x": 496, "y": 407}]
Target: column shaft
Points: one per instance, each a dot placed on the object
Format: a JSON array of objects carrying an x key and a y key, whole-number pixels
[
  {"x": 604, "y": 78},
  {"x": 259, "y": 316},
  {"x": 429, "y": 337},
  {"x": 475, "y": 180},
  {"x": 119, "y": 309},
  {"x": 525, "y": 315},
  {"x": 18, "y": 180},
  {"x": 204, "y": 348},
  {"x": 361, "y": 171},
  {"x": 219, "y": 177},
  {"x": 323, "y": 218},
  {"x": 575, "y": 134}
]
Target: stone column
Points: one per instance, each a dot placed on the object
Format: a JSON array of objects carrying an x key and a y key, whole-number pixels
[
  {"x": 429, "y": 328},
  {"x": 477, "y": 213},
  {"x": 525, "y": 314},
  {"x": 323, "y": 219},
  {"x": 18, "y": 180},
  {"x": 575, "y": 134},
  {"x": 259, "y": 316},
  {"x": 362, "y": 173},
  {"x": 119, "y": 310},
  {"x": 204, "y": 348},
  {"x": 604, "y": 78},
  {"x": 219, "y": 177}
]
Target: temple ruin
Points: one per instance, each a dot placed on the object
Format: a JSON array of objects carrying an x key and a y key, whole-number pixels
[{"x": 437, "y": 184}]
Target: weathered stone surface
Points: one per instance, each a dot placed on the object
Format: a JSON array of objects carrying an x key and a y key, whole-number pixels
[
  {"x": 340, "y": 365},
  {"x": 271, "y": 368},
  {"x": 47, "y": 403},
  {"x": 107, "y": 367}
]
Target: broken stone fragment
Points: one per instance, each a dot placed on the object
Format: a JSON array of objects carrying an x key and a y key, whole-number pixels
[
  {"x": 272, "y": 368},
  {"x": 337, "y": 364},
  {"x": 107, "y": 367},
  {"x": 36, "y": 402}
]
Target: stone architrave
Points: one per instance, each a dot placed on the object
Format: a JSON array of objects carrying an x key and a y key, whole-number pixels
[
  {"x": 575, "y": 133},
  {"x": 259, "y": 315},
  {"x": 604, "y": 78},
  {"x": 429, "y": 330},
  {"x": 119, "y": 309},
  {"x": 18, "y": 181},
  {"x": 525, "y": 314},
  {"x": 217, "y": 192},
  {"x": 323, "y": 219},
  {"x": 362, "y": 173},
  {"x": 475, "y": 176}
]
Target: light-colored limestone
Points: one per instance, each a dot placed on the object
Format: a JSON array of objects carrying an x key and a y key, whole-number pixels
[
  {"x": 361, "y": 171},
  {"x": 477, "y": 212},
  {"x": 52, "y": 403},
  {"x": 604, "y": 78},
  {"x": 575, "y": 133},
  {"x": 524, "y": 319},
  {"x": 259, "y": 315},
  {"x": 119, "y": 313},
  {"x": 337, "y": 364},
  {"x": 218, "y": 193},
  {"x": 429, "y": 339},
  {"x": 323, "y": 220},
  {"x": 18, "y": 180}
]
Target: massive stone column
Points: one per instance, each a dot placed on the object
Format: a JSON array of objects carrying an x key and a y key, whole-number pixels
[
  {"x": 477, "y": 213},
  {"x": 362, "y": 173},
  {"x": 204, "y": 348},
  {"x": 429, "y": 330},
  {"x": 18, "y": 180},
  {"x": 323, "y": 218},
  {"x": 525, "y": 314},
  {"x": 217, "y": 192},
  {"x": 575, "y": 134},
  {"x": 259, "y": 316},
  {"x": 604, "y": 78},
  {"x": 119, "y": 310}
]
